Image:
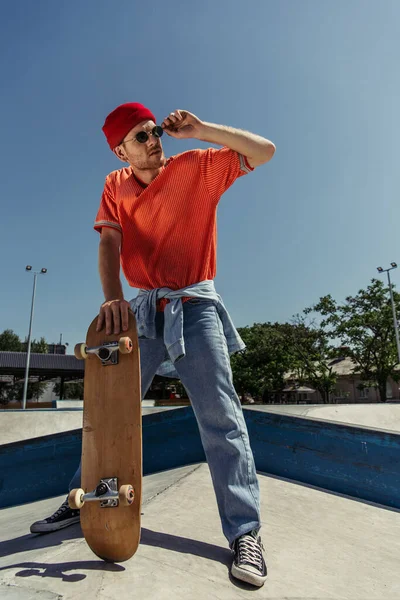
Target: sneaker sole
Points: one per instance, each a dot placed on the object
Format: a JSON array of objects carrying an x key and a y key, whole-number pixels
[
  {"x": 247, "y": 576},
  {"x": 50, "y": 527}
]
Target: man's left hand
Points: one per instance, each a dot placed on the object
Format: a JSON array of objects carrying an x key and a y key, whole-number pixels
[{"x": 182, "y": 124}]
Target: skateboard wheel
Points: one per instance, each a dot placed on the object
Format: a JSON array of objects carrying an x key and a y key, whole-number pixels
[
  {"x": 75, "y": 499},
  {"x": 125, "y": 345},
  {"x": 126, "y": 495},
  {"x": 80, "y": 351}
]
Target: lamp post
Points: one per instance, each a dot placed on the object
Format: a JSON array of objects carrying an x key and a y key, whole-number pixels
[
  {"x": 396, "y": 325},
  {"x": 28, "y": 350}
]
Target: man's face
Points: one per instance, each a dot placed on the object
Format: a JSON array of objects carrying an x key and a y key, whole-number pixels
[{"x": 143, "y": 156}]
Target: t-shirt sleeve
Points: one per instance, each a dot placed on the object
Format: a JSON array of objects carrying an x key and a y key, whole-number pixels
[
  {"x": 107, "y": 215},
  {"x": 221, "y": 167}
]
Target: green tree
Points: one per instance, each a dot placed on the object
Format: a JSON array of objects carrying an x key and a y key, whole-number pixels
[
  {"x": 313, "y": 354},
  {"x": 276, "y": 352},
  {"x": 9, "y": 392},
  {"x": 36, "y": 389},
  {"x": 40, "y": 346},
  {"x": 75, "y": 390},
  {"x": 10, "y": 342},
  {"x": 364, "y": 324},
  {"x": 261, "y": 368},
  {"x": 72, "y": 390},
  {"x": 6, "y": 391}
]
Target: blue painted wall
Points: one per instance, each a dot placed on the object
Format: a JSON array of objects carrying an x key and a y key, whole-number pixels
[
  {"x": 43, "y": 467},
  {"x": 356, "y": 461},
  {"x": 351, "y": 460}
]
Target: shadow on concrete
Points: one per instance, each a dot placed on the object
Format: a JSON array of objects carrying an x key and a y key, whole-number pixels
[
  {"x": 186, "y": 546},
  {"x": 34, "y": 542},
  {"x": 26, "y": 543},
  {"x": 59, "y": 570}
]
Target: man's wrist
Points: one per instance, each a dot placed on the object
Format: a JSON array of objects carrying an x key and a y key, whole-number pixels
[{"x": 113, "y": 298}]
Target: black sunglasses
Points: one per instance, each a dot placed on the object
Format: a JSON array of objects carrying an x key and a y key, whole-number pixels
[{"x": 143, "y": 136}]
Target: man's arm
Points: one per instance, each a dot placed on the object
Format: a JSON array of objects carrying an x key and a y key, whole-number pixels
[
  {"x": 183, "y": 124},
  {"x": 114, "y": 311}
]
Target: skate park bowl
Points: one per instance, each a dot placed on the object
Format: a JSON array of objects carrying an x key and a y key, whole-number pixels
[{"x": 323, "y": 446}]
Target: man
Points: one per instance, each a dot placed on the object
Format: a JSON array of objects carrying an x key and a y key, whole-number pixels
[{"x": 157, "y": 219}]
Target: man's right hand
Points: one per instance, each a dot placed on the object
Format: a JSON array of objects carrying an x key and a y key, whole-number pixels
[{"x": 114, "y": 314}]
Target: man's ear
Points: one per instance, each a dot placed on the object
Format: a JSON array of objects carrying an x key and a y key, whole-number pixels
[{"x": 119, "y": 153}]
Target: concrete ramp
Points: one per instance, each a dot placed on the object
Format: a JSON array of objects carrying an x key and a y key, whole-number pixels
[
  {"x": 376, "y": 416},
  {"x": 319, "y": 546},
  {"x": 17, "y": 425}
]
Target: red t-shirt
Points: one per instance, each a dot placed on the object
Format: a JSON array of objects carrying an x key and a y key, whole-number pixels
[{"x": 169, "y": 227}]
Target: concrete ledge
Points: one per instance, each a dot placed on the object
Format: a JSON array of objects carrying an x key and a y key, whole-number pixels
[
  {"x": 43, "y": 467},
  {"x": 356, "y": 461},
  {"x": 17, "y": 425},
  {"x": 376, "y": 416}
]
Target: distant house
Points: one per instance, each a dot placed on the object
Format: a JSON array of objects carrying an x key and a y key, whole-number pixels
[{"x": 350, "y": 387}]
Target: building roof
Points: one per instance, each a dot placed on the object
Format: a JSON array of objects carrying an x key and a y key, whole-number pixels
[
  {"x": 299, "y": 389},
  {"x": 340, "y": 366},
  {"x": 48, "y": 365}
]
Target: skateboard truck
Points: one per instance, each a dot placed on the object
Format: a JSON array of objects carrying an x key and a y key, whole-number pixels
[
  {"x": 108, "y": 352},
  {"x": 107, "y": 493}
]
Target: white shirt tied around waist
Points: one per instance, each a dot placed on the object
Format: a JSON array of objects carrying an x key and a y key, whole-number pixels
[{"x": 145, "y": 308}]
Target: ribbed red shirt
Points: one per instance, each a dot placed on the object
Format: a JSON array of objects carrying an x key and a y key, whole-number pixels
[{"x": 169, "y": 227}]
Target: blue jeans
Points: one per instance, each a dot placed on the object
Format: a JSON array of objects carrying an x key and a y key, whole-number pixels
[{"x": 205, "y": 372}]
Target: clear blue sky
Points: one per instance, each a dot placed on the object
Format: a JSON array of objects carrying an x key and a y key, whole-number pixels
[{"x": 320, "y": 79}]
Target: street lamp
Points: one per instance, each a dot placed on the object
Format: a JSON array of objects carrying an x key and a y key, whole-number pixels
[
  {"x": 28, "y": 350},
  {"x": 393, "y": 265}
]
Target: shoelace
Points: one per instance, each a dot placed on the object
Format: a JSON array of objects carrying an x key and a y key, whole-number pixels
[
  {"x": 64, "y": 506},
  {"x": 249, "y": 550}
]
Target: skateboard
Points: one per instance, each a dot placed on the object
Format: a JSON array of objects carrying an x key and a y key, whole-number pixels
[{"x": 111, "y": 493}]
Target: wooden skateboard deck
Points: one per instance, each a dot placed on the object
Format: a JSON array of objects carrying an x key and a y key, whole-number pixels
[{"x": 111, "y": 444}]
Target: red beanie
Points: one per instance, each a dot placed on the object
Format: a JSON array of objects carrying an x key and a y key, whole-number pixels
[{"x": 121, "y": 120}]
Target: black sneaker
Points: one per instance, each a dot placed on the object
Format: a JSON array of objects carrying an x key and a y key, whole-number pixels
[
  {"x": 248, "y": 563},
  {"x": 63, "y": 517}
]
